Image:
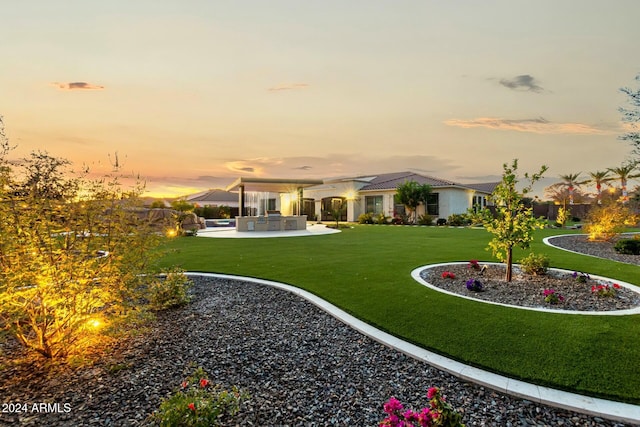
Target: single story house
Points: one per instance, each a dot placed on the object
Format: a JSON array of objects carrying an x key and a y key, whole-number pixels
[
  {"x": 362, "y": 194},
  {"x": 376, "y": 194}
]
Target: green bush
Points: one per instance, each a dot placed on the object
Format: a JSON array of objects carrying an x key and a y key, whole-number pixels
[
  {"x": 171, "y": 290},
  {"x": 425, "y": 220},
  {"x": 628, "y": 246},
  {"x": 458, "y": 220},
  {"x": 535, "y": 264},
  {"x": 381, "y": 219},
  {"x": 365, "y": 218},
  {"x": 198, "y": 402}
]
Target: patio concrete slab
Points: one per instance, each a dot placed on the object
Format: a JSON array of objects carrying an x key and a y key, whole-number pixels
[{"x": 231, "y": 233}]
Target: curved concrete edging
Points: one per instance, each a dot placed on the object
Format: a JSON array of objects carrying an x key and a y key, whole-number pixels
[
  {"x": 617, "y": 411},
  {"x": 416, "y": 276}
]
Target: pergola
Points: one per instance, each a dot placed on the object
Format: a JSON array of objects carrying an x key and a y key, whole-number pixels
[{"x": 271, "y": 185}]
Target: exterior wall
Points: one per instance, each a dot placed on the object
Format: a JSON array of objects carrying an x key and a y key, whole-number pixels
[
  {"x": 451, "y": 200},
  {"x": 455, "y": 201}
]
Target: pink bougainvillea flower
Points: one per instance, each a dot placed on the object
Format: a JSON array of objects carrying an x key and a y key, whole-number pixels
[
  {"x": 204, "y": 382},
  {"x": 393, "y": 405},
  {"x": 432, "y": 392},
  {"x": 192, "y": 406}
]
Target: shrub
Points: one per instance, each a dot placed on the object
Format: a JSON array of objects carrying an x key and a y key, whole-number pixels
[
  {"x": 171, "y": 290},
  {"x": 535, "y": 264},
  {"x": 199, "y": 403},
  {"x": 458, "y": 220},
  {"x": 441, "y": 221},
  {"x": 381, "y": 219},
  {"x": 628, "y": 246},
  {"x": 605, "y": 222},
  {"x": 365, "y": 218},
  {"x": 425, "y": 219}
]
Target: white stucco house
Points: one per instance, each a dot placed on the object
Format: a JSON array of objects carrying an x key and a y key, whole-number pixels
[
  {"x": 362, "y": 194},
  {"x": 375, "y": 194}
]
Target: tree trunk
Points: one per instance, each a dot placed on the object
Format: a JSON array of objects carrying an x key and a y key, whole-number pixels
[{"x": 509, "y": 264}]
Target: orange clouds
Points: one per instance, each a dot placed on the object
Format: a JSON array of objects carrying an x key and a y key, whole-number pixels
[
  {"x": 289, "y": 86},
  {"x": 539, "y": 125},
  {"x": 77, "y": 86}
]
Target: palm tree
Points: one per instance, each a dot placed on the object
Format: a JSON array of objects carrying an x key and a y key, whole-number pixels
[
  {"x": 571, "y": 182},
  {"x": 625, "y": 173},
  {"x": 599, "y": 178}
]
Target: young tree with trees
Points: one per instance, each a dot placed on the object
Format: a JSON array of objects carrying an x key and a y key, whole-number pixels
[{"x": 513, "y": 224}]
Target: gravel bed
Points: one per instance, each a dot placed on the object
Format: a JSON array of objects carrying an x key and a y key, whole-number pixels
[
  {"x": 528, "y": 291},
  {"x": 579, "y": 243},
  {"x": 301, "y": 367}
]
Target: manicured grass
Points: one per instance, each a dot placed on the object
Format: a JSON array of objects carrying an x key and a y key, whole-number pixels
[{"x": 365, "y": 270}]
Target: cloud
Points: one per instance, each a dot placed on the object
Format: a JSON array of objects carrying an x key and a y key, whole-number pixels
[
  {"x": 304, "y": 168},
  {"x": 538, "y": 125},
  {"x": 77, "y": 86},
  {"x": 525, "y": 81},
  {"x": 288, "y": 86}
]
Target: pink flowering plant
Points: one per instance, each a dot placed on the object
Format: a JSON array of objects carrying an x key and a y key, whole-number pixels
[
  {"x": 198, "y": 402},
  {"x": 605, "y": 290},
  {"x": 474, "y": 265},
  {"x": 438, "y": 413},
  {"x": 551, "y": 296}
]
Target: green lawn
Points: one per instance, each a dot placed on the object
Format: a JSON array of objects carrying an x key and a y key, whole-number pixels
[{"x": 365, "y": 270}]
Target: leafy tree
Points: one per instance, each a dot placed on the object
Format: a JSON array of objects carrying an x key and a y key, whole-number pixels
[
  {"x": 624, "y": 173},
  {"x": 73, "y": 254},
  {"x": 411, "y": 194},
  {"x": 513, "y": 224},
  {"x": 182, "y": 205},
  {"x": 632, "y": 116}
]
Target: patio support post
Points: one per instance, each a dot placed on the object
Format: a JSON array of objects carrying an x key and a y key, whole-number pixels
[
  {"x": 299, "y": 204},
  {"x": 241, "y": 200}
]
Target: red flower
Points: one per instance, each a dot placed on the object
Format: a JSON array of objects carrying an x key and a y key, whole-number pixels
[
  {"x": 204, "y": 382},
  {"x": 615, "y": 285},
  {"x": 184, "y": 384},
  {"x": 192, "y": 406}
]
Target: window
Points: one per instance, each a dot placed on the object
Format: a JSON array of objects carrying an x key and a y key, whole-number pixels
[
  {"x": 373, "y": 204},
  {"x": 479, "y": 202},
  {"x": 433, "y": 205}
]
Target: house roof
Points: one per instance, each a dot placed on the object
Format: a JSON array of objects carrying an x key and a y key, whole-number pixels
[
  {"x": 271, "y": 184},
  {"x": 214, "y": 195},
  {"x": 390, "y": 181}
]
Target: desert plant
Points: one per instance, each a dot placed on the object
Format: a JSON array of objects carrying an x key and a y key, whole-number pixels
[
  {"x": 72, "y": 254},
  {"x": 608, "y": 220},
  {"x": 425, "y": 219},
  {"x": 171, "y": 289},
  {"x": 535, "y": 264}
]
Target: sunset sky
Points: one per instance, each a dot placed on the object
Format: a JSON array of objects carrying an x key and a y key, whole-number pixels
[{"x": 192, "y": 94}]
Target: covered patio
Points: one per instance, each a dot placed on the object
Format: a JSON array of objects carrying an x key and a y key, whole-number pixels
[{"x": 260, "y": 211}]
